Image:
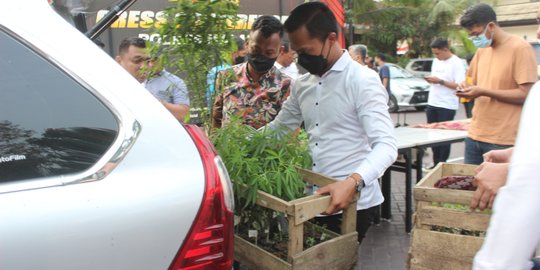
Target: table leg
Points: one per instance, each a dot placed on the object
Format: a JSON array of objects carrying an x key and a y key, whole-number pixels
[
  {"x": 408, "y": 191},
  {"x": 419, "y": 162},
  {"x": 386, "y": 209}
]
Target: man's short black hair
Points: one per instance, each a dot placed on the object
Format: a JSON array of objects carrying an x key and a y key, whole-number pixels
[
  {"x": 240, "y": 43},
  {"x": 286, "y": 46},
  {"x": 481, "y": 14},
  {"x": 133, "y": 41},
  {"x": 381, "y": 56},
  {"x": 439, "y": 43},
  {"x": 316, "y": 17},
  {"x": 268, "y": 25}
]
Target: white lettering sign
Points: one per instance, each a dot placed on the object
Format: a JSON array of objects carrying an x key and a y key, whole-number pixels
[{"x": 10, "y": 158}]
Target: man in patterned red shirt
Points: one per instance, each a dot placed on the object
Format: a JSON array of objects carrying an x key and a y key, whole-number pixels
[{"x": 256, "y": 89}]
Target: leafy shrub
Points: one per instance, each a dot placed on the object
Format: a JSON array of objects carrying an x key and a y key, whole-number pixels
[{"x": 262, "y": 160}]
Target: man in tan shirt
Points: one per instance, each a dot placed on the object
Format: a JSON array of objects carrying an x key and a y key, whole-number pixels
[{"x": 499, "y": 78}]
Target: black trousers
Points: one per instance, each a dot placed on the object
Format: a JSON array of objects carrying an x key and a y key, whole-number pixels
[
  {"x": 364, "y": 218},
  {"x": 468, "y": 108},
  {"x": 434, "y": 115}
]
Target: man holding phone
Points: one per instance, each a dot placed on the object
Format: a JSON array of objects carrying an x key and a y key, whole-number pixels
[
  {"x": 447, "y": 71},
  {"x": 501, "y": 74}
]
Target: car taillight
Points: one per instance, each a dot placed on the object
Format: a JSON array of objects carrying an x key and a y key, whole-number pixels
[{"x": 209, "y": 244}]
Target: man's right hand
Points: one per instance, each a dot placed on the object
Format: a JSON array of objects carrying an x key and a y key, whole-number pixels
[
  {"x": 462, "y": 85},
  {"x": 432, "y": 79},
  {"x": 489, "y": 178},
  {"x": 341, "y": 192},
  {"x": 499, "y": 156}
]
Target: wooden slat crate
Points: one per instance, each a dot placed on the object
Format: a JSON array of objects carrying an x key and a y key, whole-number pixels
[
  {"x": 339, "y": 253},
  {"x": 433, "y": 249}
]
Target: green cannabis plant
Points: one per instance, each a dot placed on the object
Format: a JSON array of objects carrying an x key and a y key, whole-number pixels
[{"x": 265, "y": 160}]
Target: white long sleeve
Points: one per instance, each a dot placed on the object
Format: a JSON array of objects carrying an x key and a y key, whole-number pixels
[{"x": 514, "y": 230}]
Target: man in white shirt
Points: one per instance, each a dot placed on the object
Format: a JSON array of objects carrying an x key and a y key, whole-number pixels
[
  {"x": 447, "y": 71},
  {"x": 343, "y": 107},
  {"x": 285, "y": 61},
  {"x": 514, "y": 228}
]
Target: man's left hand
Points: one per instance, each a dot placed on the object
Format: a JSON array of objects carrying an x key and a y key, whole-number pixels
[
  {"x": 488, "y": 179},
  {"x": 341, "y": 192},
  {"x": 432, "y": 79},
  {"x": 470, "y": 92}
]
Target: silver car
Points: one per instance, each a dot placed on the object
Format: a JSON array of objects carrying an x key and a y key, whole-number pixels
[
  {"x": 420, "y": 67},
  {"x": 94, "y": 172},
  {"x": 407, "y": 90}
]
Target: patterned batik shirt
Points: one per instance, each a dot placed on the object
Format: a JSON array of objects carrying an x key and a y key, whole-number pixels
[{"x": 257, "y": 103}]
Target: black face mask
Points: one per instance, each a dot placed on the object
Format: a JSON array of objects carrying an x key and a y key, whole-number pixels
[
  {"x": 314, "y": 64},
  {"x": 261, "y": 63},
  {"x": 239, "y": 60}
]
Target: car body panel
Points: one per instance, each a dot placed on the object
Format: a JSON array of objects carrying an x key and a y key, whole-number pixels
[
  {"x": 408, "y": 90},
  {"x": 421, "y": 67},
  {"x": 138, "y": 215}
]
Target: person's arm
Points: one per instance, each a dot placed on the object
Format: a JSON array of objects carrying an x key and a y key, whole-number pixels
[
  {"x": 499, "y": 156},
  {"x": 179, "y": 111},
  {"x": 290, "y": 115},
  {"x": 341, "y": 193},
  {"x": 374, "y": 117},
  {"x": 437, "y": 80},
  {"x": 373, "y": 113},
  {"x": 386, "y": 76},
  {"x": 489, "y": 178},
  {"x": 513, "y": 96},
  {"x": 179, "y": 106},
  {"x": 385, "y": 82},
  {"x": 514, "y": 230}
]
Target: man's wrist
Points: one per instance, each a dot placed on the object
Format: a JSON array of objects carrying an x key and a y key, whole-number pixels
[
  {"x": 441, "y": 82},
  {"x": 358, "y": 181}
]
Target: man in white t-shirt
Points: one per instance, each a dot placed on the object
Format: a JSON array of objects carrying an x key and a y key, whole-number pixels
[{"x": 446, "y": 72}]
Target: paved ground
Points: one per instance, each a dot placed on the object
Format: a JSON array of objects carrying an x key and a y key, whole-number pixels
[{"x": 385, "y": 246}]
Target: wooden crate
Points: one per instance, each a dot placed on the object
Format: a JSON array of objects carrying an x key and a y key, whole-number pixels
[
  {"x": 442, "y": 250},
  {"x": 339, "y": 253}
]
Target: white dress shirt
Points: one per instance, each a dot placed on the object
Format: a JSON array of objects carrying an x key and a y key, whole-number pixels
[
  {"x": 346, "y": 118},
  {"x": 290, "y": 70},
  {"x": 514, "y": 228}
]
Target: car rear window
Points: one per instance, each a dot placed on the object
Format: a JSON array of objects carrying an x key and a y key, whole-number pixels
[{"x": 50, "y": 124}]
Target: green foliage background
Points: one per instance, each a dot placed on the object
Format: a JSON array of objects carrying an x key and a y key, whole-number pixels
[
  {"x": 198, "y": 35},
  {"x": 417, "y": 21}
]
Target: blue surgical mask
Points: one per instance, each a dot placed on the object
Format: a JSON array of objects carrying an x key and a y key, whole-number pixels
[{"x": 481, "y": 41}]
